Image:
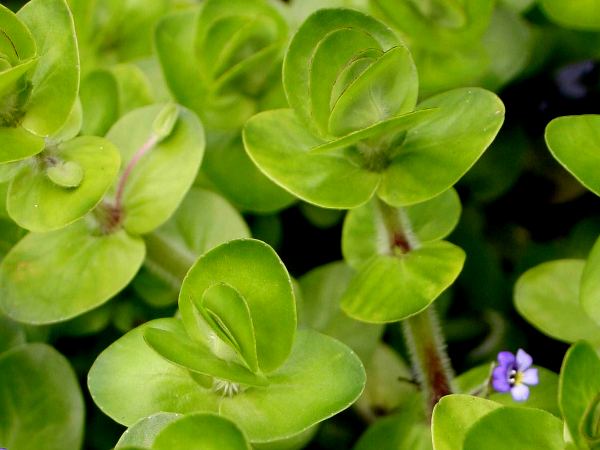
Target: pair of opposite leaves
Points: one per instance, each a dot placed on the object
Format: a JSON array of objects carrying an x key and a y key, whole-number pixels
[
  {"x": 353, "y": 134},
  {"x": 237, "y": 329}
]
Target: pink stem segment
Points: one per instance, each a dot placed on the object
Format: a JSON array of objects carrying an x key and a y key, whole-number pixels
[{"x": 139, "y": 154}]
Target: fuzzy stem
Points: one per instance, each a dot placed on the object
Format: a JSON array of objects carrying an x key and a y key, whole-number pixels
[
  {"x": 138, "y": 155},
  {"x": 422, "y": 332},
  {"x": 428, "y": 356}
]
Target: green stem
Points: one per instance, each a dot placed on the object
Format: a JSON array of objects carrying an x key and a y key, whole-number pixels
[
  {"x": 166, "y": 259},
  {"x": 422, "y": 332}
]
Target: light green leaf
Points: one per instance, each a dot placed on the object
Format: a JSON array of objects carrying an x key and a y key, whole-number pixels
[
  {"x": 364, "y": 234},
  {"x": 322, "y": 289},
  {"x": 580, "y": 15},
  {"x": 11, "y": 334},
  {"x": 172, "y": 343},
  {"x": 37, "y": 203},
  {"x": 453, "y": 417},
  {"x": 201, "y": 432},
  {"x": 522, "y": 428},
  {"x": 589, "y": 294},
  {"x": 280, "y": 145},
  {"x": 144, "y": 431},
  {"x": 547, "y": 296},
  {"x": 42, "y": 405},
  {"x": 389, "y": 288},
  {"x": 574, "y": 142},
  {"x": 130, "y": 381},
  {"x": 406, "y": 429},
  {"x": 579, "y": 391},
  {"x": 298, "y": 60},
  {"x": 257, "y": 273},
  {"x": 439, "y": 151},
  {"x": 17, "y": 144},
  {"x": 202, "y": 221},
  {"x": 56, "y": 78},
  {"x": 42, "y": 280},
  {"x": 159, "y": 181},
  {"x": 252, "y": 191}
]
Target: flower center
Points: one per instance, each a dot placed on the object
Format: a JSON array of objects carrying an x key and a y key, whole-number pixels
[{"x": 515, "y": 377}]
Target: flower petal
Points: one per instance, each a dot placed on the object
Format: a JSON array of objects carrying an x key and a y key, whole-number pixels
[
  {"x": 501, "y": 385},
  {"x": 530, "y": 377},
  {"x": 520, "y": 393},
  {"x": 524, "y": 361},
  {"x": 506, "y": 359}
]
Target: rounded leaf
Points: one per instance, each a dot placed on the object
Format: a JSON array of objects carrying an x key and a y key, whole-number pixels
[
  {"x": 315, "y": 31},
  {"x": 257, "y": 274},
  {"x": 364, "y": 233},
  {"x": 202, "y": 221},
  {"x": 42, "y": 404},
  {"x": 37, "y": 202},
  {"x": 437, "y": 152},
  {"x": 130, "y": 381},
  {"x": 574, "y": 142},
  {"x": 580, "y": 15},
  {"x": 51, "y": 277},
  {"x": 201, "y": 432},
  {"x": 160, "y": 179},
  {"x": 144, "y": 431},
  {"x": 589, "y": 293},
  {"x": 547, "y": 296},
  {"x": 17, "y": 144},
  {"x": 511, "y": 427},
  {"x": 579, "y": 390},
  {"x": 454, "y": 415},
  {"x": 55, "y": 82},
  {"x": 391, "y": 288}
]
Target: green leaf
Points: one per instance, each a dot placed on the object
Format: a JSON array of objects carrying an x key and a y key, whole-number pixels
[
  {"x": 17, "y": 144},
  {"x": 438, "y": 152},
  {"x": 280, "y": 145},
  {"x": 67, "y": 174},
  {"x": 522, "y": 428},
  {"x": 388, "y": 387},
  {"x": 574, "y": 142},
  {"x": 130, "y": 381},
  {"x": 172, "y": 343},
  {"x": 42, "y": 280},
  {"x": 386, "y": 89},
  {"x": 589, "y": 294},
  {"x": 144, "y": 431},
  {"x": 36, "y": 202},
  {"x": 56, "y": 79},
  {"x": 364, "y": 234},
  {"x": 252, "y": 191},
  {"x": 17, "y": 43},
  {"x": 453, "y": 417},
  {"x": 169, "y": 167},
  {"x": 547, "y": 296},
  {"x": 583, "y": 15},
  {"x": 314, "y": 31},
  {"x": 42, "y": 405},
  {"x": 108, "y": 94},
  {"x": 257, "y": 273},
  {"x": 390, "y": 288},
  {"x": 202, "y": 221},
  {"x": 201, "y": 432},
  {"x": 322, "y": 289},
  {"x": 11, "y": 334},
  {"x": 579, "y": 391},
  {"x": 406, "y": 429},
  {"x": 223, "y": 305}
]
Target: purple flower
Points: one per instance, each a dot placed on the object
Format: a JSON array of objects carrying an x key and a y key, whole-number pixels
[{"x": 514, "y": 374}]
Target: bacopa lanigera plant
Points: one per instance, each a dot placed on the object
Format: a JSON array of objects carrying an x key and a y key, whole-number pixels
[{"x": 270, "y": 224}]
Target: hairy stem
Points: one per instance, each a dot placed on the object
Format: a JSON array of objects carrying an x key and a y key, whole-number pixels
[{"x": 422, "y": 332}]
